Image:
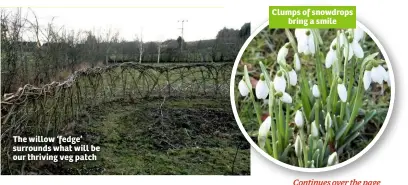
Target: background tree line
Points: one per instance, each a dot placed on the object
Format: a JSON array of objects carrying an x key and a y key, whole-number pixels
[{"x": 52, "y": 53}]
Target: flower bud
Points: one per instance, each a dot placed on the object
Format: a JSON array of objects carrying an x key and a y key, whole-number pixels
[
  {"x": 333, "y": 159},
  {"x": 243, "y": 88},
  {"x": 286, "y": 98},
  {"x": 299, "y": 119},
  {"x": 328, "y": 122},
  {"x": 316, "y": 92},
  {"x": 279, "y": 83},
  {"x": 342, "y": 92},
  {"x": 314, "y": 130},
  {"x": 298, "y": 146},
  {"x": 263, "y": 131},
  {"x": 292, "y": 78},
  {"x": 297, "y": 62},
  {"x": 261, "y": 89}
]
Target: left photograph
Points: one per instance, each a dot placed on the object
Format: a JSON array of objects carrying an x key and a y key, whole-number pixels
[{"x": 120, "y": 91}]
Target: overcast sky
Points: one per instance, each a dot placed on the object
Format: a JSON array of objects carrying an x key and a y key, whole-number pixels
[{"x": 156, "y": 23}]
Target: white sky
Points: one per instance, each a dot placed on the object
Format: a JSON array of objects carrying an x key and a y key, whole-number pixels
[{"x": 156, "y": 23}]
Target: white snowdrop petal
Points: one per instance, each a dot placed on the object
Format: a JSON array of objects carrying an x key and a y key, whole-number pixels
[
  {"x": 279, "y": 83},
  {"x": 286, "y": 98},
  {"x": 263, "y": 131},
  {"x": 299, "y": 119},
  {"x": 358, "y": 51},
  {"x": 315, "y": 91},
  {"x": 243, "y": 88},
  {"x": 383, "y": 72},
  {"x": 330, "y": 58},
  {"x": 333, "y": 43},
  {"x": 298, "y": 146},
  {"x": 282, "y": 53},
  {"x": 311, "y": 44},
  {"x": 358, "y": 34},
  {"x": 300, "y": 33},
  {"x": 377, "y": 75},
  {"x": 314, "y": 130},
  {"x": 261, "y": 90},
  {"x": 333, "y": 159},
  {"x": 342, "y": 91},
  {"x": 292, "y": 78},
  {"x": 297, "y": 62},
  {"x": 350, "y": 51},
  {"x": 367, "y": 79}
]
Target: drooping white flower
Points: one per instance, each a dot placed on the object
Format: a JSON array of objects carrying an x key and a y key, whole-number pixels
[
  {"x": 348, "y": 48},
  {"x": 328, "y": 122},
  {"x": 367, "y": 79},
  {"x": 261, "y": 89},
  {"x": 298, "y": 146},
  {"x": 263, "y": 131},
  {"x": 283, "y": 52},
  {"x": 243, "y": 88},
  {"x": 299, "y": 119},
  {"x": 286, "y": 98},
  {"x": 292, "y": 78},
  {"x": 305, "y": 40},
  {"x": 357, "y": 49},
  {"x": 279, "y": 83},
  {"x": 342, "y": 91},
  {"x": 315, "y": 91},
  {"x": 297, "y": 62},
  {"x": 314, "y": 130},
  {"x": 331, "y": 58},
  {"x": 377, "y": 74},
  {"x": 358, "y": 34},
  {"x": 333, "y": 159}
]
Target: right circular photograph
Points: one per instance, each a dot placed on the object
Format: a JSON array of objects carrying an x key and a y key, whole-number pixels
[{"x": 312, "y": 100}]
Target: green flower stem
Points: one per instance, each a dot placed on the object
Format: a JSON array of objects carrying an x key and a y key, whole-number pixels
[
  {"x": 332, "y": 93},
  {"x": 257, "y": 108},
  {"x": 326, "y": 141},
  {"x": 304, "y": 146},
  {"x": 357, "y": 102},
  {"x": 251, "y": 94},
  {"x": 273, "y": 127},
  {"x": 300, "y": 162},
  {"x": 281, "y": 127},
  {"x": 342, "y": 111}
]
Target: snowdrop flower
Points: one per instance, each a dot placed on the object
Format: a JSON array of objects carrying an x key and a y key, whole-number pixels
[
  {"x": 298, "y": 146},
  {"x": 342, "y": 91},
  {"x": 263, "y": 131},
  {"x": 378, "y": 74},
  {"x": 299, "y": 119},
  {"x": 367, "y": 79},
  {"x": 243, "y": 88},
  {"x": 292, "y": 78},
  {"x": 333, "y": 159},
  {"x": 331, "y": 56},
  {"x": 315, "y": 91},
  {"x": 279, "y": 83},
  {"x": 357, "y": 49},
  {"x": 297, "y": 62},
  {"x": 328, "y": 122},
  {"x": 261, "y": 89},
  {"x": 358, "y": 34},
  {"x": 305, "y": 40},
  {"x": 286, "y": 98},
  {"x": 348, "y": 48},
  {"x": 283, "y": 52},
  {"x": 314, "y": 130}
]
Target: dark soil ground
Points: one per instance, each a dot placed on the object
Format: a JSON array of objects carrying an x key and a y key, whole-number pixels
[{"x": 196, "y": 136}]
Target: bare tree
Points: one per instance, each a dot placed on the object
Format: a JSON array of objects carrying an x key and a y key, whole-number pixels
[{"x": 141, "y": 46}]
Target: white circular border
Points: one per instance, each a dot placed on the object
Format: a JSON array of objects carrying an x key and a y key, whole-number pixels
[{"x": 254, "y": 145}]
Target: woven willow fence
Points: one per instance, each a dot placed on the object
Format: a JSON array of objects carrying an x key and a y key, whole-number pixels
[{"x": 46, "y": 110}]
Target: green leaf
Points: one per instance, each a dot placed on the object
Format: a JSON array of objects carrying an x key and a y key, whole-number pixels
[
  {"x": 369, "y": 57},
  {"x": 341, "y": 131},
  {"x": 367, "y": 118}
]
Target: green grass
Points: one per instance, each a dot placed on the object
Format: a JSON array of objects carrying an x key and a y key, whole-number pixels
[{"x": 196, "y": 136}]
